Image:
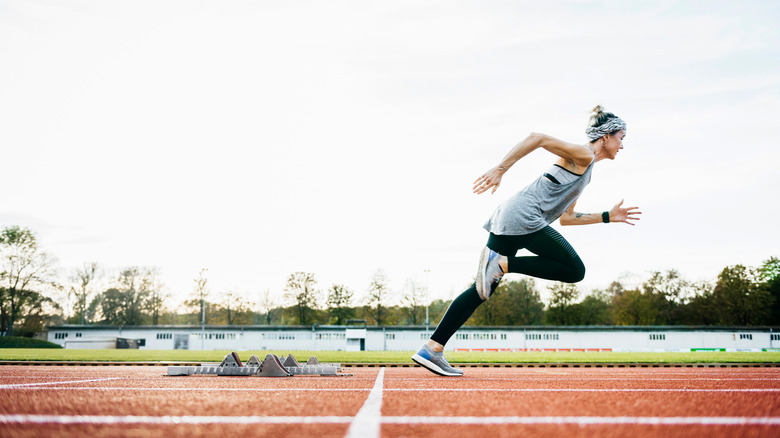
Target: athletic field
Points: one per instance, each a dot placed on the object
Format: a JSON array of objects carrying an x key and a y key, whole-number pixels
[
  {"x": 392, "y": 402},
  {"x": 563, "y": 396}
]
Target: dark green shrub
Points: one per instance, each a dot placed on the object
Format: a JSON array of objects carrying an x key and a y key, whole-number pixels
[{"x": 20, "y": 342}]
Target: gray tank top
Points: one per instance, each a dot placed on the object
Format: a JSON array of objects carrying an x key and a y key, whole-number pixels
[{"x": 539, "y": 204}]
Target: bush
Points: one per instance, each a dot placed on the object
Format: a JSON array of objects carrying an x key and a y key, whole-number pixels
[{"x": 19, "y": 342}]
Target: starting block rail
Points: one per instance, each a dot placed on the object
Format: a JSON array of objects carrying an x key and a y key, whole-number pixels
[{"x": 271, "y": 366}]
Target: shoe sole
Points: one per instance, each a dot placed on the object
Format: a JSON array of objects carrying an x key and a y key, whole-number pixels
[
  {"x": 425, "y": 363},
  {"x": 480, "y": 283}
]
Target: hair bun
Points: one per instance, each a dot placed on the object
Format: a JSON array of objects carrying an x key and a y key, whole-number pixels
[{"x": 598, "y": 116}]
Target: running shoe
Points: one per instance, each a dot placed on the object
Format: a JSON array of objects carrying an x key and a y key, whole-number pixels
[
  {"x": 489, "y": 273},
  {"x": 435, "y": 362}
]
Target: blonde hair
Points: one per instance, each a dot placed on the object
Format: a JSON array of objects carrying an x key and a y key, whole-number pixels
[{"x": 598, "y": 116}]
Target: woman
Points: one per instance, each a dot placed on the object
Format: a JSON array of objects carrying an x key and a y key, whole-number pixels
[{"x": 523, "y": 221}]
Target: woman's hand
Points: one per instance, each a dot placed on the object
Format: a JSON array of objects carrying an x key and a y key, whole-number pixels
[
  {"x": 618, "y": 214},
  {"x": 491, "y": 179}
]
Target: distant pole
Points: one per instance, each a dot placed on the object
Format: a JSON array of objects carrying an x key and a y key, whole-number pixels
[
  {"x": 201, "y": 285},
  {"x": 427, "y": 301}
]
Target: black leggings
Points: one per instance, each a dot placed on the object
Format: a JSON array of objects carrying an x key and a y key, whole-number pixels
[{"x": 555, "y": 259}]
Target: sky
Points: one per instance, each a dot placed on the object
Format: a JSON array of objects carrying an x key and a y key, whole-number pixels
[{"x": 261, "y": 138}]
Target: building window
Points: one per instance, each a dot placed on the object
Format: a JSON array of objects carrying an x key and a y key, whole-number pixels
[
  {"x": 389, "y": 335},
  {"x": 78, "y": 335},
  {"x": 503, "y": 336},
  {"x": 462, "y": 336},
  {"x": 539, "y": 336},
  {"x": 658, "y": 337},
  {"x": 60, "y": 335},
  {"x": 748, "y": 336},
  {"x": 775, "y": 337},
  {"x": 164, "y": 335}
]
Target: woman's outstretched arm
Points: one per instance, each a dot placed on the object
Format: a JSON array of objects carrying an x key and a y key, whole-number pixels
[
  {"x": 578, "y": 154},
  {"x": 616, "y": 214}
]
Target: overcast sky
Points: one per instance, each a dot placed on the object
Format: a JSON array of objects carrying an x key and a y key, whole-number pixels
[{"x": 259, "y": 138}]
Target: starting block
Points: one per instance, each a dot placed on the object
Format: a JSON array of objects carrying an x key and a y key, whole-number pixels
[{"x": 271, "y": 366}]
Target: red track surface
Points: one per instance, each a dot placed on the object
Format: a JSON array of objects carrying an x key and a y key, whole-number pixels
[{"x": 143, "y": 401}]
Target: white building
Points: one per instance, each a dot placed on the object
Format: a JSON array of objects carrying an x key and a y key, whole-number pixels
[{"x": 409, "y": 338}]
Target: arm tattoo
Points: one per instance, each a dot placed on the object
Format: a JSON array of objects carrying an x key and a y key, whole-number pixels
[{"x": 579, "y": 215}]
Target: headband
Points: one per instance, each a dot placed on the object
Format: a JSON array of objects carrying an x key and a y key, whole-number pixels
[{"x": 614, "y": 124}]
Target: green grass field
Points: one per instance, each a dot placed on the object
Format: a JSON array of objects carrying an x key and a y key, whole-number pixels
[{"x": 33, "y": 354}]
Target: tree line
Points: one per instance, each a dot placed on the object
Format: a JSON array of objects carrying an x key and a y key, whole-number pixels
[{"x": 740, "y": 296}]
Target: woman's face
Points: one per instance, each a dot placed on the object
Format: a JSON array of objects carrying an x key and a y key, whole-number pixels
[{"x": 614, "y": 143}]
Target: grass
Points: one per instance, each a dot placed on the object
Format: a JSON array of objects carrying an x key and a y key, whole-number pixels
[{"x": 34, "y": 354}]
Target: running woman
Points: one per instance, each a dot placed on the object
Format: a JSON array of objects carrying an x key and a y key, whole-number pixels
[{"x": 523, "y": 221}]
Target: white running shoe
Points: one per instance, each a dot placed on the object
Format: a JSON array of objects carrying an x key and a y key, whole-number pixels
[
  {"x": 489, "y": 273},
  {"x": 435, "y": 362}
]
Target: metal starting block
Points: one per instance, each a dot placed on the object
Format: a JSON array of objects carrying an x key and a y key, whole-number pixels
[{"x": 271, "y": 366}]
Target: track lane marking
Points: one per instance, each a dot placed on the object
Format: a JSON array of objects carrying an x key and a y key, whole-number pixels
[
  {"x": 129, "y": 388},
  {"x": 539, "y": 420},
  {"x": 28, "y": 385},
  {"x": 586, "y": 421},
  {"x": 368, "y": 421}
]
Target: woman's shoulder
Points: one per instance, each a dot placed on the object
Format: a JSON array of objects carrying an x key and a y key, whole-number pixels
[{"x": 574, "y": 167}]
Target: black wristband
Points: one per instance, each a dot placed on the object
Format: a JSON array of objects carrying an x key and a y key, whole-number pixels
[{"x": 605, "y": 217}]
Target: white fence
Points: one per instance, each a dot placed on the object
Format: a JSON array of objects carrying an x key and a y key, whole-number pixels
[{"x": 247, "y": 338}]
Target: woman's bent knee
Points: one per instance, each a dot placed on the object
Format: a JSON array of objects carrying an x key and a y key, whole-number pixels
[{"x": 576, "y": 274}]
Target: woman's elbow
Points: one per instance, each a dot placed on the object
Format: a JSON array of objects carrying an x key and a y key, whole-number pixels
[{"x": 536, "y": 138}]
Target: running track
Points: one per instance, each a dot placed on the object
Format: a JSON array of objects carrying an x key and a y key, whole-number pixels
[{"x": 392, "y": 402}]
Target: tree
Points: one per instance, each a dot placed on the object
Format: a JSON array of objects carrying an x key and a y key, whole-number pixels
[
  {"x": 701, "y": 308},
  {"x": 23, "y": 267},
  {"x": 524, "y": 303},
  {"x": 267, "y": 305},
  {"x": 593, "y": 310},
  {"x": 669, "y": 292},
  {"x": 339, "y": 302},
  {"x": 632, "y": 307},
  {"x": 235, "y": 309},
  {"x": 378, "y": 292},
  {"x": 199, "y": 295},
  {"x": 414, "y": 300},
  {"x": 561, "y": 309},
  {"x": 40, "y": 311},
  {"x": 152, "y": 288},
  {"x": 741, "y": 298},
  {"x": 515, "y": 302},
  {"x": 769, "y": 274},
  {"x": 302, "y": 290},
  {"x": 135, "y": 291},
  {"x": 83, "y": 278}
]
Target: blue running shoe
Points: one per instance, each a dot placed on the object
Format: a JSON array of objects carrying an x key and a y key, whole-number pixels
[
  {"x": 435, "y": 362},
  {"x": 489, "y": 273}
]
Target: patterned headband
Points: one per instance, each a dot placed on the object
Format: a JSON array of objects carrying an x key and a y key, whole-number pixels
[{"x": 612, "y": 125}]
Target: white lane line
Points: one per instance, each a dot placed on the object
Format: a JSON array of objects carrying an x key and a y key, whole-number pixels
[
  {"x": 589, "y": 390},
  {"x": 582, "y": 421},
  {"x": 368, "y": 420},
  {"x": 598, "y": 379},
  {"x": 189, "y": 419},
  {"x": 128, "y": 388},
  {"x": 585, "y": 421},
  {"x": 27, "y": 385}
]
